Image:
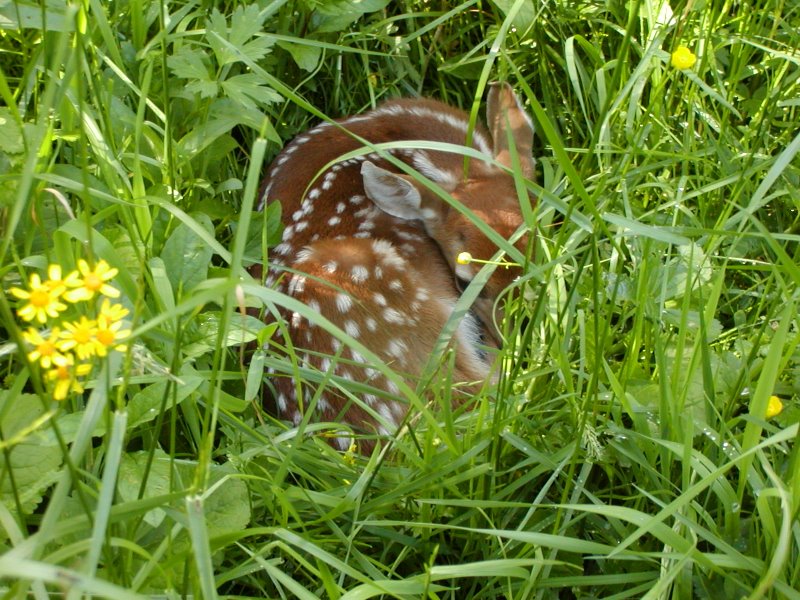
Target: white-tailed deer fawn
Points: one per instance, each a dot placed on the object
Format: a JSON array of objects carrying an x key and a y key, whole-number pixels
[{"x": 374, "y": 251}]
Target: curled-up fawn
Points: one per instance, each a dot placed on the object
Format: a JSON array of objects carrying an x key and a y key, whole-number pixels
[{"x": 374, "y": 250}]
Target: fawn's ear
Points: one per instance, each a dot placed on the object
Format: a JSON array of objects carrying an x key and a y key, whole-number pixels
[
  {"x": 505, "y": 114},
  {"x": 390, "y": 192}
]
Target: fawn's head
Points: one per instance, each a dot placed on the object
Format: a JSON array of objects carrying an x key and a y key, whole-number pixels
[{"x": 488, "y": 192}]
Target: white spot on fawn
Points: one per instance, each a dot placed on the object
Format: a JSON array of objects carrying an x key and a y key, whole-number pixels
[
  {"x": 386, "y": 413},
  {"x": 333, "y": 221},
  {"x": 343, "y": 302},
  {"x": 393, "y": 316},
  {"x": 283, "y": 249},
  {"x": 359, "y": 274},
  {"x": 331, "y": 266},
  {"x": 297, "y": 285},
  {"x": 423, "y": 163},
  {"x": 352, "y": 329},
  {"x": 304, "y": 255},
  {"x": 398, "y": 349}
]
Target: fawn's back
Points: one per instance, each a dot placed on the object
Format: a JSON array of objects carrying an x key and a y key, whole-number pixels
[{"x": 374, "y": 251}]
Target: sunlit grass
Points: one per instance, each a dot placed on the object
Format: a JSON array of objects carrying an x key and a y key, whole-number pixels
[{"x": 630, "y": 447}]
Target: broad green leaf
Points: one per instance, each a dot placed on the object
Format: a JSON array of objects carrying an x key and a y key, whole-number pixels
[
  {"x": 525, "y": 16},
  {"x": 247, "y": 90},
  {"x": 228, "y": 507},
  {"x": 31, "y": 458},
  {"x": 305, "y": 56},
  {"x": 231, "y": 44},
  {"x": 340, "y": 14},
  {"x": 11, "y": 141},
  {"x": 186, "y": 256},
  {"x": 191, "y": 64},
  {"x": 144, "y": 406},
  {"x": 32, "y": 15},
  {"x": 205, "y": 339},
  {"x": 132, "y": 472},
  {"x": 269, "y": 219}
]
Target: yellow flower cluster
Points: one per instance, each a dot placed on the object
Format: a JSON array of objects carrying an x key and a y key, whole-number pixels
[{"x": 65, "y": 348}]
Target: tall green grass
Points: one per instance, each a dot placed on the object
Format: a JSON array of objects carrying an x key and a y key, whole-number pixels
[{"x": 625, "y": 450}]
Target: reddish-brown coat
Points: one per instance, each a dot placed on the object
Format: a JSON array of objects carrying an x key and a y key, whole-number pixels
[{"x": 388, "y": 280}]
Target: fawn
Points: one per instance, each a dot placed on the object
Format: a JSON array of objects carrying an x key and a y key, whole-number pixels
[{"x": 374, "y": 250}]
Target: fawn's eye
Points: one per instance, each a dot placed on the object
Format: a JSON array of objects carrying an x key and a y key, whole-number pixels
[{"x": 461, "y": 284}]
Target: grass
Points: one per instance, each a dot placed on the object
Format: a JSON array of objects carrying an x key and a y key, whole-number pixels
[{"x": 625, "y": 451}]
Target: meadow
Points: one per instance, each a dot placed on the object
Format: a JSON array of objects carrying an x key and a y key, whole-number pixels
[{"x": 641, "y": 438}]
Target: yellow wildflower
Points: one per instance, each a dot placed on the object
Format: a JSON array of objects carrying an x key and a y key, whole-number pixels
[
  {"x": 111, "y": 312},
  {"x": 683, "y": 58},
  {"x": 45, "y": 349},
  {"x": 65, "y": 378},
  {"x": 54, "y": 279},
  {"x": 464, "y": 258},
  {"x": 350, "y": 455},
  {"x": 774, "y": 407},
  {"x": 81, "y": 337},
  {"x": 88, "y": 281},
  {"x": 108, "y": 334},
  {"x": 43, "y": 300}
]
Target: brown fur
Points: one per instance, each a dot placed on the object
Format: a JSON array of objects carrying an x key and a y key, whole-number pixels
[{"x": 374, "y": 251}]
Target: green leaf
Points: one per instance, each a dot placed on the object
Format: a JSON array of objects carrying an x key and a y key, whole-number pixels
[
  {"x": 31, "y": 15},
  {"x": 306, "y": 57},
  {"x": 241, "y": 330},
  {"x": 144, "y": 406},
  {"x": 340, "y": 14},
  {"x": 231, "y": 45},
  {"x": 524, "y": 17},
  {"x": 269, "y": 219},
  {"x": 132, "y": 471},
  {"x": 186, "y": 256},
  {"x": 11, "y": 140},
  {"x": 228, "y": 507},
  {"x": 224, "y": 115},
  {"x": 190, "y": 64},
  {"x": 32, "y": 459},
  {"x": 255, "y": 375},
  {"x": 247, "y": 90}
]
